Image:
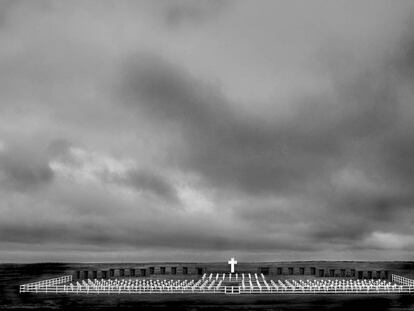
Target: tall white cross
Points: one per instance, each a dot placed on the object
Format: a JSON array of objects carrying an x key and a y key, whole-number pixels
[{"x": 232, "y": 262}]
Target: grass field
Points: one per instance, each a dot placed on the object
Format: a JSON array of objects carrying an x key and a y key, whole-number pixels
[{"x": 11, "y": 276}]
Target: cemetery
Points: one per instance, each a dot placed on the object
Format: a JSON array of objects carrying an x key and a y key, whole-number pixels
[{"x": 193, "y": 280}]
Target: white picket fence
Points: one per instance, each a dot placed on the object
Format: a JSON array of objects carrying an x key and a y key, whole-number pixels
[
  {"x": 64, "y": 285},
  {"x": 402, "y": 280},
  {"x": 35, "y": 286},
  {"x": 82, "y": 289},
  {"x": 395, "y": 289}
]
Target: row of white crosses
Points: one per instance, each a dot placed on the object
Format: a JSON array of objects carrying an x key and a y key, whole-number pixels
[
  {"x": 328, "y": 285},
  {"x": 345, "y": 284},
  {"x": 260, "y": 283},
  {"x": 210, "y": 284},
  {"x": 250, "y": 280},
  {"x": 256, "y": 279},
  {"x": 221, "y": 276},
  {"x": 144, "y": 284},
  {"x": 236, "y": 277},
  {"x": 254, "y": 282}
]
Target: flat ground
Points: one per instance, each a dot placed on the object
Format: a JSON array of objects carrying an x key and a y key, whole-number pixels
[{"x": 11, "y": 276}]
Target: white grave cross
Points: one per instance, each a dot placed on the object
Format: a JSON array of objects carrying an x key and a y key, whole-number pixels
[{"x": 232, "y": 262}]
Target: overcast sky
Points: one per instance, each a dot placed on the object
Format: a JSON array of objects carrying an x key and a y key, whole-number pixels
[{"x": 200, "y": 130}]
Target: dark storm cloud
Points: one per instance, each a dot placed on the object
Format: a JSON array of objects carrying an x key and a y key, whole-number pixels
[
  {"x": 143, "y": 236},
  {"x": 167, "y": 91},
  {"x": 59, "y": 147},
  {"x": 267, "y": 127},
  {"x": 180, "y": 13},
  {"x": 404, "y": 58},
  {"x": 257, "y": 156},
  {"x": 5, "y": 6},
  {"x": 24, "y": 170},
  {"x": 144, "y": 180},
  {"x": 352, "y": 216},
  {"x": 222, "y": 143},
  {"x": 359, "y": 124}
]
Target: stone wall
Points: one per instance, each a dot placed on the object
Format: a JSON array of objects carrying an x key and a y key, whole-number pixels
[{"x": 299, "y": 269}]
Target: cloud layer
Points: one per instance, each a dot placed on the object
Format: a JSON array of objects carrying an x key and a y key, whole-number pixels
[{"x": 190, "y": 131}]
